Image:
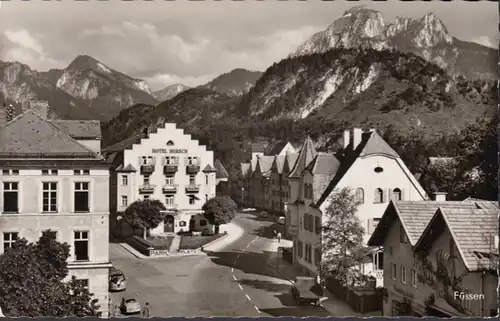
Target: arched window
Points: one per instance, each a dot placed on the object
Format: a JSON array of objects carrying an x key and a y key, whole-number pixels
[
  {"x": 360, "y": 195},
  {"x": 379, "y": 195},
  {"x": 396, "y": 194},
  {"x": 170, "y": 143}
]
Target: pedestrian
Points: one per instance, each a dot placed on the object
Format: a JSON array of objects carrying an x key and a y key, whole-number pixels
[
  {"x": 145, "y": 311},
  {"x": 117, "y": 310},
  {"x": 279, "y": 237},
  {"x": 274, "y": 233}
]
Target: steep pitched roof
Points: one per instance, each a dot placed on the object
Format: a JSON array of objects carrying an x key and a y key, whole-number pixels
[
  {"x": 124, "y": 144},
  {"x": 473, "y": 232},
  {"x": 80, "y": 129},
  {"x": 29, "y": 135},
  {"x": 275, "y": 148},
  {"x": 128, "y": 168},
  {"x": 245, "y": 169},
  {"x": 253, "y": 165},
  {"x": 290, "y": 160},
  {"x": 324, "y": 163},
  {"x": 265, "y": 163},
  {"x": 306, "y": 155},
  {"x": 221, "y": 171},
  {"x": 278, "y": 163},
  {"x": 414, "y": 216},
  {"x": 371, "y": 144},
  {"x": 208, "y": 169}
]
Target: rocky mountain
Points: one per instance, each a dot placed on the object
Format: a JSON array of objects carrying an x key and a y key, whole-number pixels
[
  {"x": 324, "y": 92},
  {"x": 426, "y": 37},
  {"x": 169, "y": 92},
  {"x": 234, "y": 83},
  {"x": 86, "y": 89}
]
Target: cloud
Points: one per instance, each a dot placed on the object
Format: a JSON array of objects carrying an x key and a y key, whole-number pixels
[{"x": 161, "y": 81}]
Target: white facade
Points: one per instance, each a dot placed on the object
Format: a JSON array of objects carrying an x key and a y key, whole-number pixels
[
  {"x": 287, "y": 149},
  {"x": 173, "y": 168}
]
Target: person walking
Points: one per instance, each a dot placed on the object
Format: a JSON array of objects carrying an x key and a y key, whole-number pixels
[
  {"x": 145, "y": 311},
  {"x": 274, "y": 234},
  {"x": 279, "y": 237}
]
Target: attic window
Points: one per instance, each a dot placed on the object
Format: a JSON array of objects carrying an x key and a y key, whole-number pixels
[
  {"x": 170, "y": 143},
  {"x": 378, "y": 169}
]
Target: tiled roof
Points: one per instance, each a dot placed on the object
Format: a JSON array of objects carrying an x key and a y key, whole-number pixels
[
  {"x": 324, "y": 163},
  {"x": 221, "y": 171},
  {"x": 290, "y": 159},
  {"x": 28, "y": 135},
  {"x": 128, "y": 168},
  {"x": 306, "y": 155},
  {"x": 257, "y": 147},
  {"x": 80, "y": 129},
  {"x": 265, "y": 163},
  {"x": 279, "y": 161},
  {"x": 209, "y": 169},
  {"x": 253, "y": 165},
  {"x": 124, "y": 144},
  {"x": 245, "y": 169},
  {"x": 371, "y": 144},
  {"x": 473, "y": 231},
  {"x": 275, "y": 148}
]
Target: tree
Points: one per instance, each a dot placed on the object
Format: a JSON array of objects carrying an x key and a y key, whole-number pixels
[
  {"x": 219, "y": 210},
  {"x": 32, "y": 282},
  {"x": 10, "y": 112},
  {"x": 144, "y": 214},
  {"x": 342, "y": 239}
]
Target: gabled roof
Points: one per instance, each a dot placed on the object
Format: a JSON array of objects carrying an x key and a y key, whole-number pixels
[
  {"x": 209, "y": 169},
  {"x": 128, "y": 168},
  {"x": 306, "y": 155},
  {"x": 80, "y": 129},
  {"x": 323, "y": 163},
  {"x": 124, "y": 144},
  {"x": 371, "y": 144},
  {"x": 290, "y": 160},
  {"x": 253, "y": 165},
  {"x": 414, "y": 216},
  {"x": 473, "y": 231},
  {"x": 265, "y": 163},
  {"x": 29, "y": 135},
  {"x": 275, "y": 148},
  {"x": 279, "y": 161},
  {"x": 221, "y": 172},
  {"x": 245, "y": 169}
]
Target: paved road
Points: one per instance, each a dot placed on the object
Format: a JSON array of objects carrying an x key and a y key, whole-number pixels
[{"x": 234, "y": 281}]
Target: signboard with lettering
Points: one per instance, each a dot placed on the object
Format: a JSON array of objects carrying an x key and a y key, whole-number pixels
[
  {"x": 158, "y": 253},
  {"x": 169, "y": 151}
]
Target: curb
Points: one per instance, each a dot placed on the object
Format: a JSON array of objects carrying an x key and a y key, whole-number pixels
[
  {"x": 213, "y": 242},
  {"x": 268, "y": 262}
]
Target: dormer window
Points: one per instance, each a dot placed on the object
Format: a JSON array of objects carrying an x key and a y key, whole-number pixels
[
  {"x": 396, "y": 194},
  {"x": 379, "y": 196},
  {"x": 170, "y": 143}
]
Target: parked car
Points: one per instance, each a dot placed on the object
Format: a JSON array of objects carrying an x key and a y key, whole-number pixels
[
  {"x": 117, "y": 280},
  {"x": 281, "y": 220},
  {"x": 130, "y": 306},
  {"x": 306, "y": 290}
]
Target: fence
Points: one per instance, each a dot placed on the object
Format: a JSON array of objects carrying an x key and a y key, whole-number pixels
[{"x": 363, "y": 300}]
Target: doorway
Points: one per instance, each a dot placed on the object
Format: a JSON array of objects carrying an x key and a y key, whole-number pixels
[{"x": 168, "y": 224}]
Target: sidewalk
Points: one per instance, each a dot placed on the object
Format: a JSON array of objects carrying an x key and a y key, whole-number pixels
[{"x": 332, "y": 304}]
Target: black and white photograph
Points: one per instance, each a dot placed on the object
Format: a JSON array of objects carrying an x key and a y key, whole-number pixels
[{"x": 249, "y": 158}]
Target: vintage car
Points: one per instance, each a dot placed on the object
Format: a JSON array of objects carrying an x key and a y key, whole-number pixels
[
  {"x": 117, "y": 280},
  {"x": 306, "y": 290},
  {"x": 130, "y": 306}
]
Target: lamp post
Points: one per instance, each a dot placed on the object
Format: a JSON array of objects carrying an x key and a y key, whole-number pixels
[{"x": 118, "y": 221}]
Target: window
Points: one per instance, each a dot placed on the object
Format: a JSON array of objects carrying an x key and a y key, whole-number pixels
[
  {"x": 81, "y": 172},
  {"x": 51, "y": 234},
  {"x": 300, "y": 248},
  {"x": 86, "y": 172},
  {"x": 77, "y": 172},
  {"x": 9, "y": 239},
  {"x": 396, "y": 194},
  {"x": 192, "y": 200},
  {"x": 206, "y": 179},
  {"x": 147, "y": 160},
  {"x": 49, "y": 171},
  {"x": 170, "y": 143},
  {"x": 8, "y": 172},
  {"x": 192, "y": 160},
  {"x": 402, "y": 234},
  {"x": 393, "y": 271},
  {"x": 317, "y": 256},
  {"x": 81, "y": 197},
  {"x": 10, "y": 197},
  {"x": 206, "y": 197},
  {"x": 378, "y": 259},
  {"x": 124, "y": 201},
  {"x": 379, "y": 195},
  {"x": 145, "y": 197},
  {"x": 49, "y": 198},
  {"x": 146, "y": 179},
  {"x": 360, "y": 195},
  {"x": 203, "y": 222},
  {"x": 375, "y": 223},
  {"x": 171, "y": 160},
  {"x": 84, "y": 283},
  {"x": 182, "y": 223},
  {"x": 81, "y": 245},
  {"x": 169, "y": 200},
  {"x": 414, "y": 278},
  {"x": 403, "y": 274},
  {"x": 192, "y": 179},
  {"x": 124, "y": 180}
]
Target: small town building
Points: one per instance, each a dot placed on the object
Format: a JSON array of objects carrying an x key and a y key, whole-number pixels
[
  {"x": 166, "y": 165},
  {"x": 460, "y": 236},
  {"x": 53, "y": 177}
]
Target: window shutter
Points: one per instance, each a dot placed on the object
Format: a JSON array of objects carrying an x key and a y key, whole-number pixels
[
  {"x": 370, "y": 225},
  {"x": 390, "y": 194},
  {"x": 402, "y": 194}
]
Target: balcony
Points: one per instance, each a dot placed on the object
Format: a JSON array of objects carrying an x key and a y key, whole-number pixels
[
  {"x": 192, "y": 169},
  {"x": 147, "y": 188},
  {"x": 170, "y": 169},
  {"x": 192, "y": 188},
  {"x": 147, "y": 168},
  {"x": 170, "y": 188},
  {"x": 171, "y": 207}
]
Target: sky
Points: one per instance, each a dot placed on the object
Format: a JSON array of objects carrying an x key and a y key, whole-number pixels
[{"x": 191, "y": 42}]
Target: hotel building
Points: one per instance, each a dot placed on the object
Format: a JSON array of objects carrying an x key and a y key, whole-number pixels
[
  {"x": 53, "y": 177},
  {"x": 167, "y": 165}
]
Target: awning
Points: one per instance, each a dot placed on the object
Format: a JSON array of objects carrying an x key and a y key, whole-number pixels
[{"x": 444, "y": 309}]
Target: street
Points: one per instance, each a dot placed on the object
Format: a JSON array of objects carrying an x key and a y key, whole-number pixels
[{"x": 235, "y": 281}]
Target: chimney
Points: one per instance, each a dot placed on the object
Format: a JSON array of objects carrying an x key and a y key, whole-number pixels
[
  {"x": 356, "y": 137},
  {"x": 346, "y": 138},
  {"x": 440, "y": 196}
]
